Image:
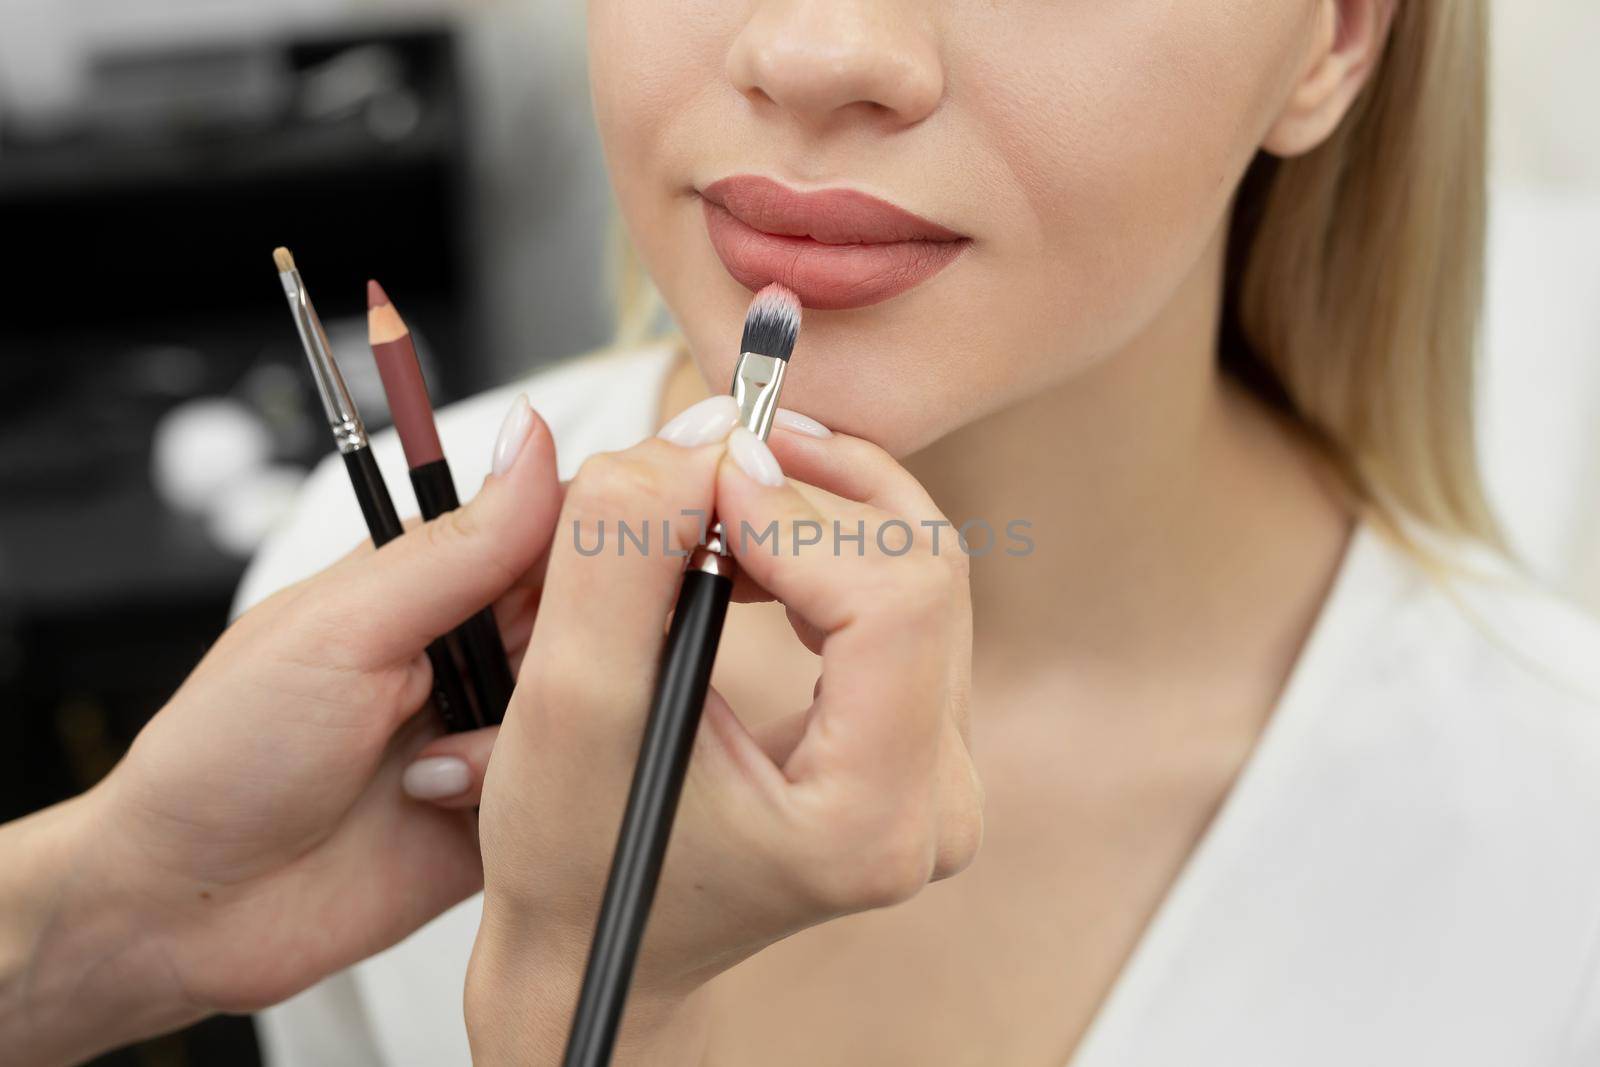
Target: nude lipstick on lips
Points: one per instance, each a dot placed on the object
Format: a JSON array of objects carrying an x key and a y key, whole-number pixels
[{"x": 835, "y": 248}]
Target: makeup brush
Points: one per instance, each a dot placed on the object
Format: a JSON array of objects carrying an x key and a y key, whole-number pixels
[
  {"x": 770, "y": 330},
  {"x": 488, "y": 667},
  {"x": 350, "y": 436}
]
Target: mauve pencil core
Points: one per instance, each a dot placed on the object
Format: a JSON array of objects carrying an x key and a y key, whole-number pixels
[{"x": 402, "y": 380}]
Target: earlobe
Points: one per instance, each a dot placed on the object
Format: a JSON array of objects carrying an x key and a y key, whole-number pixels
[{"x": 1350, "y": 39}]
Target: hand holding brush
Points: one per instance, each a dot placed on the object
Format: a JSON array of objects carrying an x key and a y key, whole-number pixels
[{"x": 854, "y": 802}]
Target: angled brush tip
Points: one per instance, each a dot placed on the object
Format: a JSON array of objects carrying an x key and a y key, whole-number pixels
[
  {"x": 283, "y": 259},
  {"x": 376, "y": 297},
  {"x": 772, "y": 325}
]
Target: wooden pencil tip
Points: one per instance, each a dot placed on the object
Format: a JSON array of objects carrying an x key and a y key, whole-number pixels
[
  {"x": 283, "y": 259},
  {"x": 384, "y": 323}
]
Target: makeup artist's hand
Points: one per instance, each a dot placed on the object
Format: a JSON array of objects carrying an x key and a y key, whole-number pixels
[
  {"x": 256, "y": 837},
  {"x": 852, "y": 803}
]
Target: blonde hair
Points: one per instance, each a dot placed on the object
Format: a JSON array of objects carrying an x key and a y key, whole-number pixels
[
  {"x": 638, "y": 305},
  {"x": 1356, "y": 278},
  {"x": 1354, "y": 281}
]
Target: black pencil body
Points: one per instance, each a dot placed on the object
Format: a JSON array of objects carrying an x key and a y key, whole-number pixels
[
  {"x": 488, "y": 666},
  {"x": 669, "y": 733},
  {"x": 450, "y": 698}
]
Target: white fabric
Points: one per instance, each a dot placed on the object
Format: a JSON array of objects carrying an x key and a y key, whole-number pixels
[
  {"x": 1540, "y": 389},
  {"x": 1407, "y": 872}
]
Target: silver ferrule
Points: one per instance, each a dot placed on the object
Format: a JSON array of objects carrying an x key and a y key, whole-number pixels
[
  {"x": 757, "y": 383},
  {"x": 349, "y": 433}
]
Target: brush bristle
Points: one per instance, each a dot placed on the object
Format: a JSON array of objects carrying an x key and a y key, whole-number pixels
[
  {"x": 772, "y": 326},
  {"x": 283, "y": 259}
]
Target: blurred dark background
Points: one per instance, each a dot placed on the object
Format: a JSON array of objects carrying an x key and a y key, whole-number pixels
[{"x": 155, "y": 412}]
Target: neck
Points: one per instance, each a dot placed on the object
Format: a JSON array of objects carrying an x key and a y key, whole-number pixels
[{"x": 1175, "y": 520}]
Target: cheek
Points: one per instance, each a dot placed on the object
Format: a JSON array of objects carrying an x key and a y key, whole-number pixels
[
  {"x": 656, "y": 72},
  {"x": 649, "y": 62},
  {"x": 1124, "y": 129},
  {"x": 634, "y": 84}
]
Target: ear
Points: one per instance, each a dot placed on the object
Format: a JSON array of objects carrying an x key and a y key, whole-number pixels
[{"x": 1348, "y": 44}]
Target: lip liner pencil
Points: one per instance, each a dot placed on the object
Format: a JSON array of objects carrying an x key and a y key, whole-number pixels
[
  {"x": 488, "y": 666},
  {"x": 350, "y": 436},
  {"x": 771, "y": 329}
]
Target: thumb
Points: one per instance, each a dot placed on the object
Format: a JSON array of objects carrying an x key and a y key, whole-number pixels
[{"x": 439, "y": 574}]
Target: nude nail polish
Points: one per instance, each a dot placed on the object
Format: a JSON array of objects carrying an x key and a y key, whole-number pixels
[
  {"x": 705, "y": 423},
  {"x": 513, "y": 434},
  {"x": 752, "y": 456},
  {"x": 437, "y": 778},
  {"x": 804, "y": 425}
]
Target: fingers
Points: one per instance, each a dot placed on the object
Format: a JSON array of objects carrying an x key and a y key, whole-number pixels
[
  {"x": 398, "y": 599},
  {"x": 629, "y": 521},
  {"x": 880, "y": 759},
  {"x": 841, "y": 466},
  {"x": 448, "y": 773},
  {"x": 850, "y": 467},
  {"x": 884, "y": 611},
  {"x": 831, "y": 468}
]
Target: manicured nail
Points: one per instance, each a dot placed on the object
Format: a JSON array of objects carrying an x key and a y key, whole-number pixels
[
  {"x": 436, "y": 778},
  {"x": 705, "y": 423},
  {"x": 805, "y": 425},
  {"x": 513, "y": 434},
  {"x": 754, "y": 457}
]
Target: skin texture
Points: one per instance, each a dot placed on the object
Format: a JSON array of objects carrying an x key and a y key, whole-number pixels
[
  {"x": 1090, "y": 151},
  {"x": 1062, "y": 370}
]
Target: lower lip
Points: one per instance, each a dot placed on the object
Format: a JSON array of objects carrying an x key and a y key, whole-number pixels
[{"x": 825, "y": 277}]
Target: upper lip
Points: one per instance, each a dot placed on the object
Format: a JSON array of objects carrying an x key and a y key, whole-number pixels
[{"x": 837, "y": 216}]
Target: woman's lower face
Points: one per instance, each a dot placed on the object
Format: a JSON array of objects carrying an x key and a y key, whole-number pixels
[{"x": 975, "y": 198}]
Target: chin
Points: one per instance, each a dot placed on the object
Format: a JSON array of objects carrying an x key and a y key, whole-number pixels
[
  {"x": 902, "y": 373},
  {"x": 851, "y": 383}
]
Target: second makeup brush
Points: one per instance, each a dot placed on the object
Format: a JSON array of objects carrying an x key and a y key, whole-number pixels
[
  {"x": 488, "y": 667},
  {"x": 771, "y": 329}
]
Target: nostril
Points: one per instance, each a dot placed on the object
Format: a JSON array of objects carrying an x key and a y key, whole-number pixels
[{"x": 821, "y": 62}]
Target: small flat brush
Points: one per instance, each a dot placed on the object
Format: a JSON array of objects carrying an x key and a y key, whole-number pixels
[
  {"x": 488, "y": 667},
  {"x": 770, "y": 331},
  {"x": 350, "y": 436}
]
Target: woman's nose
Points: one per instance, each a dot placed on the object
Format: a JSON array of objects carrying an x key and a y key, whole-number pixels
[{"x": 820, "y": 59}]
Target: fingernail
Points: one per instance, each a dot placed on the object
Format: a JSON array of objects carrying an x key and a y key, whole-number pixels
[
  {"x": 436, "y": 778},
  {"x": 795, "y": 422},
  {"x": 754, "y": 457},
  {"x": 704, "y": 423},
  {"x": 513, "y": 434}
]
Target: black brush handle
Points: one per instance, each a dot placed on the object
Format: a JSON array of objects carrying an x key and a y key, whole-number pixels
[
  {"x": 450, "y": 698},
  {"x": 647, "y": 821},
  {"x": 488, "y": 666},
  {"x": 372, "y": 493},
  {"x": 377, "y": 507}
]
